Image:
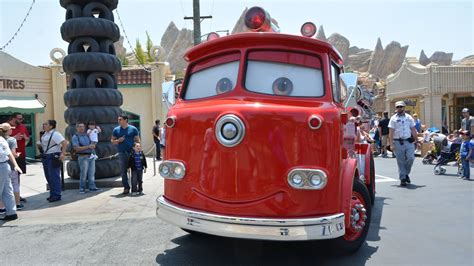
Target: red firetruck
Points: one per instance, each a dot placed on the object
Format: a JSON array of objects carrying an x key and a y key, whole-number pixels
[{"x": 259, "y": 144}]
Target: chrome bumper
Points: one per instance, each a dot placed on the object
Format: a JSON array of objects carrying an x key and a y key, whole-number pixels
[{"x": 327, "y": 227}]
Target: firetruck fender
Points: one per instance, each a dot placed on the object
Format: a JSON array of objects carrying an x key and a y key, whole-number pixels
[{"x": 349, "y": 173}]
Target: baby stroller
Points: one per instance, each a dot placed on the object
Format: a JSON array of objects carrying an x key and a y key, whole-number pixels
[
  {"x": 439, "y": 143},
  {"x": 446, "y": 157},
  {"x": 431, "y": 155}
]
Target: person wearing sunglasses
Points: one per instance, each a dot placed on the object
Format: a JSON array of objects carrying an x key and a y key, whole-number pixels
[{"x": 402, "y": 136}]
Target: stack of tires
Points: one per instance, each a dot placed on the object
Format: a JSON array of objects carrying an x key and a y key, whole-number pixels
[{"x": 91, "y": 63}]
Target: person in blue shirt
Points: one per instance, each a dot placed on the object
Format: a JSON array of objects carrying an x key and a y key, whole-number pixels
[
  {"x": 124, "y": 136},
  {"x": 466, "y": 154},
  {"x": 137, "y": 163},
  {"x": 417, "y": 123}
]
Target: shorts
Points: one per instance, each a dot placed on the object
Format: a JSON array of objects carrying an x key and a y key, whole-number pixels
[
  {"x": 384, "y": 140},
  {"x": 21, "y": 161},
  {"x": 15, "y": 177}
]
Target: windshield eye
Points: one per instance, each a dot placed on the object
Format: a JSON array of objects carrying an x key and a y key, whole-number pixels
[
  {"x": 282, "y": 86},
  {"x": 223, "y": 85}
]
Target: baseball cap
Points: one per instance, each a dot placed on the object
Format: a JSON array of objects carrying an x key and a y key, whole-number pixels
[
  {"x": 465, "y": 110},
  {"x": 400, "y": 103},
  {"x": 5, "y": 126}
]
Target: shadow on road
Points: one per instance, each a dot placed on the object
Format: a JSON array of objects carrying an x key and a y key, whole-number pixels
[{"x": 203, "y": 249}]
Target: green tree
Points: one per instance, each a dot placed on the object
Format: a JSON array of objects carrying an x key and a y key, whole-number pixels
[
  {"x": 141, "y": 57},
  {"x": 149, "y": 46}
]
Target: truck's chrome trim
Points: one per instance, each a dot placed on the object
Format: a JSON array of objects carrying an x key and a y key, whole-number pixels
[{"x": 293, "y": 229}]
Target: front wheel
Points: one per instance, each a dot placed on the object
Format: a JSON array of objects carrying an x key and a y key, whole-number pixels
[{"x": 358, "y": 227}]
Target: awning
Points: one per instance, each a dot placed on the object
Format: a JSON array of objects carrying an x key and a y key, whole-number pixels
[{"x": 21, "y": 105}]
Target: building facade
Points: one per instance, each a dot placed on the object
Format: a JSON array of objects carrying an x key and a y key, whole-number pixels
[
  {"x": 436, "y": 93},
  {"x": 37, "y": 93}
]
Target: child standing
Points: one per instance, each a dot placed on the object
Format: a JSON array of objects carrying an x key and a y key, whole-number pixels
[
  {"x": 93, "y": 133},
  {"x": 137, "y": 163},
  {"x": 466, "y": 153}
]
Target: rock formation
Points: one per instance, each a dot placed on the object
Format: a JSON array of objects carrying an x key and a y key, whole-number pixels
[
  {"x": 386, "y": 61},
  {"x": 466, "y": 61},
  {"x": 341, "y": 43},
  {"x": 320, "y": 35},
  {"x": 175, "y": 55},
  {"x": 359, "y": 61},
  {"x": 440, "y": 58},
  {"x": 169, "y": 37},
  {"x": 119, "y": 48}
]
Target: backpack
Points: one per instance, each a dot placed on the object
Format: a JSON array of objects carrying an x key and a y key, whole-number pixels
[{"x": 71, "y": 150}]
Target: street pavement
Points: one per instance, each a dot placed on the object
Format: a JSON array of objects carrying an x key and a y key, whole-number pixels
[{"x": 430, "y": 222}]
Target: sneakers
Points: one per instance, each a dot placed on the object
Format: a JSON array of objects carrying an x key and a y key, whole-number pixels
[
  {"x": 466, "y": 178},
  {"x": 134, "y": 193},
  {"x": 10, "y": 217},
  {"x": 95, "y": 189},
  {"x": 20, "y": 207},
  {"x": 126, "y": 191},
  {"x": 403, "y": 183},
  {"x": 408, "y": 180},
  {"x": 461, "y": 177},
  {"x": 82, "y": 191},
  {"x": 3, "y": 211}
]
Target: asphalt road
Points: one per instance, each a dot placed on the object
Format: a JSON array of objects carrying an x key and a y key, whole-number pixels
[{"x": 430, "y": 222}]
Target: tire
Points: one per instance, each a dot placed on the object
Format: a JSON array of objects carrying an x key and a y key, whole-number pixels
[
  {"x": 103, "y": 168},
  {"x": 107, "y": 46},
  {"x": 99, "y": 114},
  {"x": 93, "y": 97},
  {"x": 77, "y": 46},
  {"x": 107, "y": 81},
  {"x": 77, "y": 80},
  {"x": 89, "y": 27},
  {"x": 91, "y": 62},
  {"x": 73, "y": 11},
  {"x": 104, "y": 136},
  {"x": 353, "y": 240},
  {"x": 104, "y": 11},
  {"x": 111, "y": 4},
  {"x": 105, "y": 149},
  {"x": 425, "y": 161}
]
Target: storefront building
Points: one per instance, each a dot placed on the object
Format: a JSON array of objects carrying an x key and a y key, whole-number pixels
[
  {"x": 37, "y": 93},
  {"x": 436, "y": 93}
]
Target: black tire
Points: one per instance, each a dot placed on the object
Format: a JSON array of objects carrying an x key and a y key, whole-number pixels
[
  {"x": 73, "y": 11},
  {"x": 107, "y": 80},
  {"x": 103, "y": 168},
  {"x": 89, "y": 27},
  {"x": 104, "y": 136},
  {"x": 111, "y": 4},
  {"x": 104, "y": 11},
  {"x": 77, "y": 80},
  {"x": 105, "y": 149},
  {"x": 91, "y": 62},
  {"x": 77, "y": 46},
  {"x": 93, "y": 97},
  {"x": 107, "y": 46},
  {"x": 99, "y": 114},
  {"x": 343, "y": 246}
]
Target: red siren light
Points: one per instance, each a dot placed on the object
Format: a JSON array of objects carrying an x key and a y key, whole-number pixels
[
  {"x": 257, "y": 19},
  {"x": 308, "y": 29},
  {"x": 212, "y": 36}
]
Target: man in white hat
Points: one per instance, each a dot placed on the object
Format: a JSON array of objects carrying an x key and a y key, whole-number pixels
[{"x": 402, "y": 138}]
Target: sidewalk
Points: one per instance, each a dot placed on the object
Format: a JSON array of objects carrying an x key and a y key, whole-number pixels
[{"x": 107, "y": 204}]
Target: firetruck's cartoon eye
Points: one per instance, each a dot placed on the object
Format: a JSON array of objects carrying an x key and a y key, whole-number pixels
[
  {"x": 223, "y": 85},
  {"x": 282, "y": 86}
]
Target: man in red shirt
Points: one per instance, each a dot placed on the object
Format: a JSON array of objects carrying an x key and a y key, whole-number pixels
[{"x": 22, "y": 136}]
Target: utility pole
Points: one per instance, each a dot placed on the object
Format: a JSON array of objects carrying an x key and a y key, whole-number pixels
[{"x": 197, "y": 21}]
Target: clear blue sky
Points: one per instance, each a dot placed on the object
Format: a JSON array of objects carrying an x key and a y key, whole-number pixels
[{"x": 430, "y": 25}]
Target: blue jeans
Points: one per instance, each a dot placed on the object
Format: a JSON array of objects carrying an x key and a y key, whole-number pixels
[
  {"x": 87, "y": 168},
  {"x": 405, "y": 156},
  {"x": 6, "y": 189},
  {"x": 466, "y": 172},
  {"x": 52, "y": 174},
  {"x": 123, "y": 158}
]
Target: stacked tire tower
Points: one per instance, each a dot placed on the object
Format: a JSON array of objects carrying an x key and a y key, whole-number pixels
[{"x": 91, "y": 63}]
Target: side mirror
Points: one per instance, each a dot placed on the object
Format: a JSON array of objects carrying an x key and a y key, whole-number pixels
[
  {"x": 168, "y": 93},
  {"x": 349, "y": 81}
]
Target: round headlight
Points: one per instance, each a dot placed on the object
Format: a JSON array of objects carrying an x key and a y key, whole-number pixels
[
  {"x": 178, "y": 171},
  {"x": 315, "y": 180},
  {"x": 297, "y": 179},
  {"x": 164, "y": 170}
]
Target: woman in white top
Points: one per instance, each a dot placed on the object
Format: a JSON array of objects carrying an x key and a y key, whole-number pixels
[
  {"x": 54, "y": 146},
  {"x": 6, "y": 188}
]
